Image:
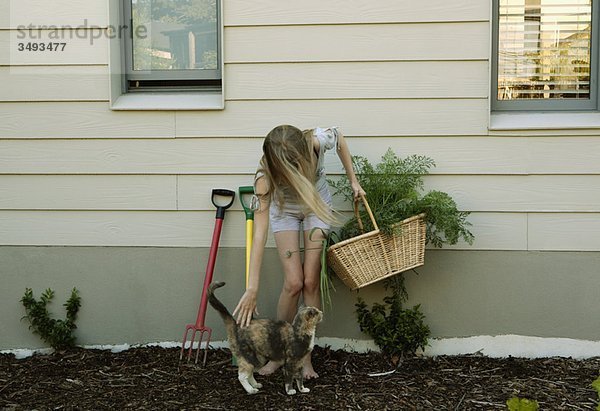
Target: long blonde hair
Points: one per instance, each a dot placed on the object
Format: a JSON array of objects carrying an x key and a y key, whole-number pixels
[{"x": 288, "y": 163}]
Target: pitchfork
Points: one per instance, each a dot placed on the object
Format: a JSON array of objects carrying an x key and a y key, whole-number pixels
[{"x": 199, "y": 326}]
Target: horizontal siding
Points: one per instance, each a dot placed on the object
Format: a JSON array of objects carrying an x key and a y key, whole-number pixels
[
  {"x": 55, "y": 13},
  {"x": 453, "y": 155},
  {"x": 531, "y": 193},
  {"x": 474, "y": 193},
  {"x": 436, "y": 41},
  {"x": 88, "y": 48},
  {"x": 81, "y": 120},
  {"x": 564, "y": 232},
  {"x": 54, "y": 83},
  {"x": 358, "y": 117},
  {"x": 372, "y": 80},
  {"x": 411, "y": 78},
  {"x": 111, "y": 228},
  {"x": 88, "y": 192},
  {"x": 315, "y": 81},
  {"x": 245, "y": 118},
  {"x": 581, "y": 154},
  {"x": 387, "y": 42},
  {"x": 542, "y": 193},
  {"x": 268, "y": 12},
  {"x": 264, "y": 12},
  {"x": 496, "y": 231},
  {"x": 493, "y": 231}
]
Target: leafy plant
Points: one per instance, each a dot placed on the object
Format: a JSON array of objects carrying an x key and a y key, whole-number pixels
[
  {"x": 395, "y": 330},
  {"x": 522, "y": 404},
  {"x": 394, "y": 189},
  {"x": 57, "y": 333},
  {"x": 596, "y": 386}
]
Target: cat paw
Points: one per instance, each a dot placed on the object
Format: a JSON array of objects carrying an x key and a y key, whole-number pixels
[
  {"x": 291, "y": 392},
  {"x": 251, "y": 390},
  {"x": 258, "y": 385},
  {"x": 304, "y": 390}
]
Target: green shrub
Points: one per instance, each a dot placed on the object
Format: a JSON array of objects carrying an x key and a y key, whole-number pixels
[
  {"x": 57, "y": 333},
  {"x": 395, "y": 330}
]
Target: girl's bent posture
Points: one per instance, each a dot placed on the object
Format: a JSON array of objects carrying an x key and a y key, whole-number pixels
[{"x": 292, "y": 192}]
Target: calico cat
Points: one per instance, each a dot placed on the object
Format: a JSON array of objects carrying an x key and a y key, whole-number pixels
[{"x": 265, "y": 340}]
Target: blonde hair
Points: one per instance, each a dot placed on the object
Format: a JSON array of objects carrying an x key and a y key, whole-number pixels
[{"x": 289, "y": 164}]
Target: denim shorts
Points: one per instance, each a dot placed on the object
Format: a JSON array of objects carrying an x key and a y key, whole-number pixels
[{"x": 292, "y": 218}]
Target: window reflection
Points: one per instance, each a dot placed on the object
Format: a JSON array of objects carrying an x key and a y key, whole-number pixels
[
  {"x": 544, "y": 49},
  {"x": 174, "y": 34}
]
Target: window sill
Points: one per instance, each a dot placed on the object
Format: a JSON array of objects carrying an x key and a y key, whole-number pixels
[
  {"x": 169, "y": 101},
  {"x": 500, "y": 121}
]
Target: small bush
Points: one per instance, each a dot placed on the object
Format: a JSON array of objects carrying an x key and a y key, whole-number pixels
[
  {"x": 57, "y": 333},
  {"x": 395, "y": 330}
]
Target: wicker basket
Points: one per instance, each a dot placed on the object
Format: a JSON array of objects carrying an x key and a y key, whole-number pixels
[{"x": 373, "y": 256}]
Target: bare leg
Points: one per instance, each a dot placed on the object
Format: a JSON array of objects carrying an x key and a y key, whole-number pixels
[
  {"x": 287, "y": 241},
  {"x": 311, "y": 291}
]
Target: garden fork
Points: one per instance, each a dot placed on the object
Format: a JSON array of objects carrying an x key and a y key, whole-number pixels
[{"x": 198, "y": 326}]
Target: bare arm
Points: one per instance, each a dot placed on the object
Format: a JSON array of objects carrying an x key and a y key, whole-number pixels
[
  {"x": 247, "y": 304},
  {"x": 346, "y": 159}
]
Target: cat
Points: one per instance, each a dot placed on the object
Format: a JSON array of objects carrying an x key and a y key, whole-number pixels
[{"x": 265, "y": 340}]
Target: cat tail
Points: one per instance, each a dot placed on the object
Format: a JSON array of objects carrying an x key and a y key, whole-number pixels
[{"x": 218, "y": 305}]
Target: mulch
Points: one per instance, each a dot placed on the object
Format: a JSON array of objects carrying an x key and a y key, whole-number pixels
[{"x": 153, "y": 379}]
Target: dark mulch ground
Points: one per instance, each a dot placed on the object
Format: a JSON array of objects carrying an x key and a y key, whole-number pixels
[{"x": 153, "y": 378}]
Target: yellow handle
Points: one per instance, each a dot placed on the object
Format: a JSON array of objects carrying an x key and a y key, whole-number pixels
[{"x": 249, "y": 226}]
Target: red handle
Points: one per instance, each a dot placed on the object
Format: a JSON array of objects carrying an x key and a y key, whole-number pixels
[{"x": 209, "y": 271}]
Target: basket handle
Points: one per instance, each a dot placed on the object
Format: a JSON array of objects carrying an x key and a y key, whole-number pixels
[{"x": 357, "y": 214}]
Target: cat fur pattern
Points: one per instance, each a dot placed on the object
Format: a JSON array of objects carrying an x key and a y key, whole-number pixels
[{"x": 265, "y": 340}]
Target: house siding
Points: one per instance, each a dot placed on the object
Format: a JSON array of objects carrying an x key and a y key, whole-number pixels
[{"x": 75, "y": 174}]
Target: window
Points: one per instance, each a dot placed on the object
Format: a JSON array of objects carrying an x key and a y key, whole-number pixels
[
  {"x": 545, "y": 55},
  {"x": 165, "y": 54},
  {"x": 172, "y": 45}
]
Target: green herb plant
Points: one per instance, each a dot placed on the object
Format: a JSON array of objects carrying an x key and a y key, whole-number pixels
[
  {"x": 57, "y": 333},
  {"x": 394, "y": 190},
  {"x": 522, "y": 404},
  {"x": 396, "y": 331}
]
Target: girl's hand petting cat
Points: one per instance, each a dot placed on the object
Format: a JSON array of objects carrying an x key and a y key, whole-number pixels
[{"x": 246, "y": 308}]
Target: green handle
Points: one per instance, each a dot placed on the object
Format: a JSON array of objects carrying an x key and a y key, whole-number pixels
[{"x": 246, "y": 190}]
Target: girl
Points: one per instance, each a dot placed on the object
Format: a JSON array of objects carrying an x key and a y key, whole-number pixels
[{"x": 292, "y": 193}]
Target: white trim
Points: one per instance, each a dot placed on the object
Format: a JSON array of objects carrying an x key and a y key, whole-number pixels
[
  {"x": 505, "y": 121},
  {"x": 503, "y": 346},
  {"x": 184, "y": 100},
  {"x": 500, "y": 346}
]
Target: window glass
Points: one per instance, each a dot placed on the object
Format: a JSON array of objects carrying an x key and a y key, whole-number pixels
[
  {"x": 174, "y": 35},
  {"x": 544, "y": 49}
]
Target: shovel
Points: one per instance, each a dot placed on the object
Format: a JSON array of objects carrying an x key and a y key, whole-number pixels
[
  {"x": 199, "y": 326},
  {"x": 246, "y": 191}
]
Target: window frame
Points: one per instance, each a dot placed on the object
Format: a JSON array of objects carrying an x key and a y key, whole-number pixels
[
  {"x": 206, "y": 98},
  {"x": 187, "y": 78},
  {"x": 551, "y": 105}
]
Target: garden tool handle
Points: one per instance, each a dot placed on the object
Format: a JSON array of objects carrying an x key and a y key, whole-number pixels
[
  {"x": 249, "y": 229},
  {"x": 246, "y": 190},
  {"x": 221, "y": 208},
  {"x": 357, "y": 214}
]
